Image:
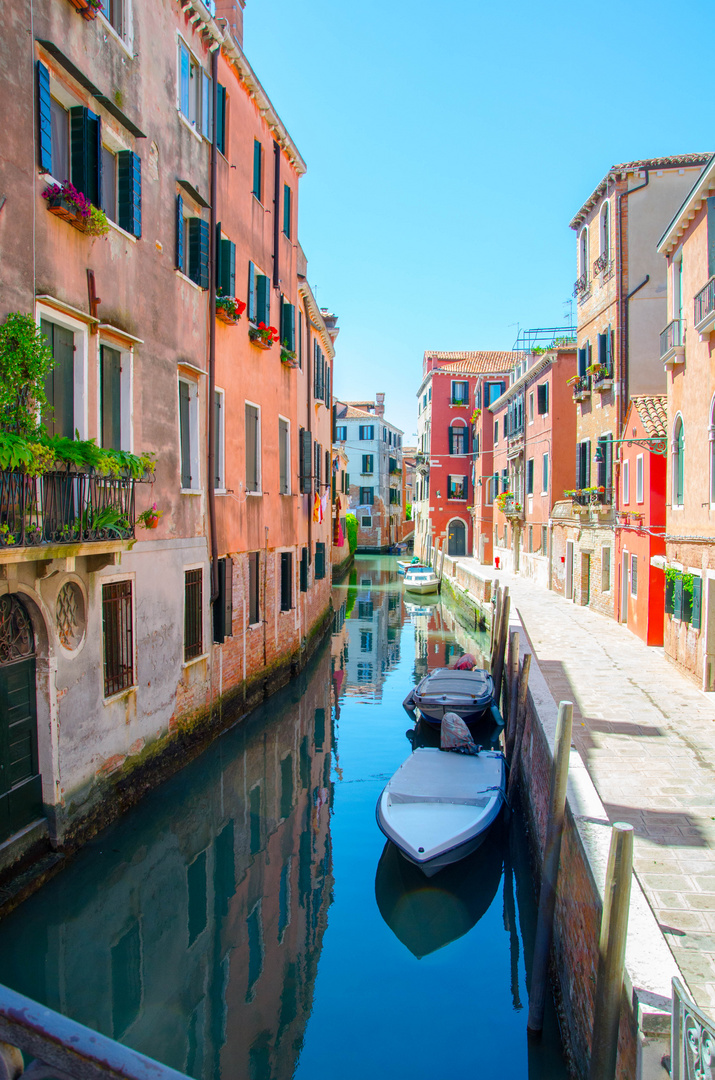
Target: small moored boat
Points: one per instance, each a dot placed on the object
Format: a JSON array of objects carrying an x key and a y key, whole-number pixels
[
  {"x": 414, "y": 564},
  {"x": 438, "y": 806},
  {"x": 422, "y": 580},
  {"x": 470, "y": 694}
]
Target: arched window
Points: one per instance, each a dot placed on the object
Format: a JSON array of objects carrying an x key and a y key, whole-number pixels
[
  {"x": 605, "y": 234},
  {"x": 678, "y": 462},
  {"x": 583, "y": 253},
  {"x": 458, "y": 438}
]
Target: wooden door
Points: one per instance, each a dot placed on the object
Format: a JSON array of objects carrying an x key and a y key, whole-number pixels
[{"x": 20, "y": 781}]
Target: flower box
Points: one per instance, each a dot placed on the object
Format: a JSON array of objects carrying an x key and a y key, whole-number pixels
[
  {"x": 92, "y": 9},
  {"x": 63, "y": 208},
  {"x": 224, "y": 316},
  {"x": 288, "y": 358},
  {"x": 262, "y": 336},
  {"x": 80, "y": 5},
  {"x": 258, "y": 341}
]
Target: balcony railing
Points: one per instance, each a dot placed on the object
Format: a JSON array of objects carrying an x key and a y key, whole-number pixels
[
  {"x": 512, "y": 508},
  {"x": 705, "y": 308},
  {"x": 593, "y": 496},
  {"x": 64, "y": 507},
  {"x": 580, "y": 387},
  {"x": 581, "y": 285},
  {"x": 672, "y": 346},
  {"x": 600, "y": 264}
]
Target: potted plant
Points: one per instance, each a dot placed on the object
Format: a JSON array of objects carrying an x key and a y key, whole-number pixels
[
  {"x": 149, "y": 519},
  {"x": 229, "y": 309},
  {"x": 264, "y": 337},
  {"x": 475, "y": 415},
  {"x": 288, "y": 356},
  {"x": 92, "y": 9},
  {"x": 65, "y": 201},
  {"x": 80, "y": 5}
]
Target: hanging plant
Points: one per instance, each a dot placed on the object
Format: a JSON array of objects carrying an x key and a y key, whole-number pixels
[{"x": 25, "y": 360}]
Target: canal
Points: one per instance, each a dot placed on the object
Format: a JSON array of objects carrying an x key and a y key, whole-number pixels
[{"x": 247, "y": 920}]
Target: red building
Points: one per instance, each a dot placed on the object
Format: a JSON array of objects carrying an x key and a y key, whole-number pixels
[
  {"x": 446, "y": 410},
  {"x": 640, "y": 529}
]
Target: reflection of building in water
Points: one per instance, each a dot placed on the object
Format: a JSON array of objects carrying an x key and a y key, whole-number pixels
[
  {"x": 193, "y": 932},
  {"x": 373, "y": 625},
  {"x": 440, "y": 639}
]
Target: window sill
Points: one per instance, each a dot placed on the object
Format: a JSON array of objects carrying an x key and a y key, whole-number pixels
[
  {"x": 120, "y": 695},
  {"x": 254, "y": 493},
  {"x": 221, "y": 491},
  {"x": 187, "y": 279},
  {"x": 191, "y": 491},
  {"x": 285, "y": 611},
  {"x": 104, "y": 21},
  {"x": 187, "y": 124},
  {"x": 121, "y": 231},
  {"x": 257, "y": 200},
  {"x": 255, "y": 625},
  {"x": 194, "y": 660}
]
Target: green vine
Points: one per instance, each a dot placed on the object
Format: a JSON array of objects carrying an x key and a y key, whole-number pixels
[{"x": 25, "y": 360}]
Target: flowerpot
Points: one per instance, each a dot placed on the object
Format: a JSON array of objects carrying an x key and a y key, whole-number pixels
[
  {"x": 81, "y": 5},
  {"x": 63, "y": 208},
  {"x": 224, "y": 317},
  {"x": 90, "y": 12},
  {"x": 261, "y": 343},
  {"x": 152, "y": 522}
]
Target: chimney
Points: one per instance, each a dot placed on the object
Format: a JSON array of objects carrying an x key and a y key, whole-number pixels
[
  {"x": 379, "y": 404},
  {"x": 232, "y": 12}
]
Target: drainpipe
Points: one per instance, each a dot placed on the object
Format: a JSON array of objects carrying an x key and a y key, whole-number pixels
[
  {"x": 623, "y": 304},
  {"x": 309, "y": 425},
  {"x": 211, "y": 456},
  {"x": 276, "y": 215}
]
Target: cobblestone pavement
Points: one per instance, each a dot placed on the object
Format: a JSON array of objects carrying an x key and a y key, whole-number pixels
[{"x": 647, "y": 736}]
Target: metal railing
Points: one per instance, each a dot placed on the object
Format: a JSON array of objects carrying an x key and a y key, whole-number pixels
[
  {"x": 64, "y": 508},
  {"x": 672, "y": 336},
  {"x": 705, "y": 301},
  {"x": 580, "y": 284},
  {"x": 581, "y": 385},
  {"x": 589, "y": 498},
  {"x": 692, "y": 1040},
  {"x": 600, "y": 264},
  {"x": 66, "y": 1050}
]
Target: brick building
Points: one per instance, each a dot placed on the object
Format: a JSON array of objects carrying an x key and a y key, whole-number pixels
[
  {"x": 444, "y": 489},
  {"x": 686, "y": 350},
  {"x": 620, "y": 292}
]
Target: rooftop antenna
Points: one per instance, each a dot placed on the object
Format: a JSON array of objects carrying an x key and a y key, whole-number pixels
[{"x": 568, "y": 307}]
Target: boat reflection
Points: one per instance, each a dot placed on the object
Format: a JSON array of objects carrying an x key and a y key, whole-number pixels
[{"x": 426, "y": 914}]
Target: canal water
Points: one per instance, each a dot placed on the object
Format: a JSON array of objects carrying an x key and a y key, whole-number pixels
[{"x": 248, "y": 921}]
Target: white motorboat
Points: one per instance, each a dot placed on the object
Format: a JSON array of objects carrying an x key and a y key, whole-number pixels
[
  {"x": 403, "y": 566},
  {"x": 468, "y": 693},
  {"x": 438, "y": 806},
  {"x": 422, "y": 580}
]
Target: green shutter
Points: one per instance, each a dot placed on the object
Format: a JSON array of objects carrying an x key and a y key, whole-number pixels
[
  {"x": 225, "y": 266},
  {"x": 609, "y": 351},
  {"x": 179, "y": 233},
  {"x": 44, "y": 116},
  {"x": 110, "y": 375},
  {"x": 252, "y": 293},
  {"x": 306, "y": 453},
  {"x": 59, "y": 381},
  {"x": 199, "y": 252},
  {"x": 184, "y": 435},
  {"x": 129, "y": 200},
  {"x": 263, "y": 299},
  {"x": 257, "y": 178},
  {"x": 678, "y": 597},
  {"x": 304, "y": 570},
  {"x": 695, "y": 618},
  {"x": 582, "y": 361},
  {"x": 286, "y": 210},
  {"x": 221, "y": 118},
  {"x": 86, "y": 152},
  {"x": 288, "y": 325}
]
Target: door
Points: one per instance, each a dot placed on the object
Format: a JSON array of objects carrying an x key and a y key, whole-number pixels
[
  {"x": 457, "y": 538},
  {"x": 624, "y": 587},
  {"x": 709, "y": 609},
  {"x": 569, "y": 570},
  {"x": 20, "y": 781},
  {"x": 585, "y": 579}
]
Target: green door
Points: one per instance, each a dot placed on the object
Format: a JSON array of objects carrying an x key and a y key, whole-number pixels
[{"x": 20, "y": 781}]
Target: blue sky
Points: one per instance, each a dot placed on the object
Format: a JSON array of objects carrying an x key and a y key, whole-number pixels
[{"x": 448, "y": 148}]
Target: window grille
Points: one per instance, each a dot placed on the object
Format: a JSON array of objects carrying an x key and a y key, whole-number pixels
[
  {"x": 118, "y": 637},
  {"x": 193, "y": 603}
]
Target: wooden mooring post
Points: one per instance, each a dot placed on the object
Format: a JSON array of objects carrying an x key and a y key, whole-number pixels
[
  {"x": 612, "y": 954},
  {"x": 511, "y": 688},
  {"x": 500, "y": 648},
  {"x": 550, "y": 869},
  {"x": 514, "y": 754}
]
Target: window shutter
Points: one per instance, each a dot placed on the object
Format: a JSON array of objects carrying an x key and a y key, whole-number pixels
[
  {"x": 223, "y": 606},
  {"x": 199, "y": 252},
  {"x": 587, "y": 456},
  {"x": 327, "y": 385},
  {"x": 306, "y": 449},
  {"x": 86, "y": 152},
  {"x": 283, "y": 455},
  {"x": 185, "y": 435},
  {"x": 579, "y": 461},
  {"x": 530, "y": 476},
  {"x": 697, "y": 600},
  {"x": 252, "y": 293},
  {"x": 221, "y": 118},
  {"x": 450, "y": 437},
  {"x": 217, "y": 441},
  {"x": 678, "y": 597},
  {"x": 263, "y": 299},
  {"x": 315, "y": 370},
  {"x": 226, "y": 267},
  {"x": 304, "y": 569},
  {"x": 110, "y": 393},
  {"x": 257, "y": 152},
  {"x": 608, "y": 454},
  {"x": 542, "y": 398},
  {"x": 44, "y": 116},
  {"x": 582, "y": 361},
  {"x": 603, "y": 349},
  {"x": 319, "y": 561},
  {"x": 609, "y": 350},
  {"x": 286, "y": 210},
  {"x": 251, "y": 448},
  {"x": 129, "y": 200},
  {"x": 179, "y": 233}
]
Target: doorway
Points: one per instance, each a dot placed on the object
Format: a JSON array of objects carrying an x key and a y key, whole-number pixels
[
  {"x": 568, "y": 592},
  {"x": 709, "y": 658},
  {"x": 457, "y": 538},
  {"x": 20, "y": 780},
  {"x": 624, "y": 587},
  {"x": 585, "y": 579}
]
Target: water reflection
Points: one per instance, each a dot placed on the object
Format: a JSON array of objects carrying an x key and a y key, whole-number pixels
[{"x": 192, "y": 929}]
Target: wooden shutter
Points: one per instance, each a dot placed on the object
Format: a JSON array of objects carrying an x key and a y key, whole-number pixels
[
  {"x": 44, "y": 117},
  {"x": 587, "y": 455},
  {"x": 223, "y": 605},
  {"x": 59, "y": 382},
  {"x": 110, "y": 393},
  {"x": 179, "y": 233},
  {"x": 450, "y": 439},
  {"x": 217, "y": 441},
  {"x": 185, "y": 434},
  {"x": 251, "y": 448},
  {"x": 304, "y": 569},
  {"x": 199, "y": 252},
  {"x": 253, "y": 587},
  {"x": 678, "y": 597},
  {"x": 319, "y": 561},
  {"x": 225, "y": 265},
  {"x": 306, "y": 449},
  {"x": 286, "y": 580},
  {"x": 286, "y": 210},
  {"x": 530, "y": 476},
  {"x": 129, "y": 192},
  {"x": 221, "y": 118},
  {"x": 263, "y": 299},
  {"x": 695, "y": 618},
  {"x": 542, "y": 398},
  {"x": 326, "y": 396},
  {"x": 603, "y": 349},
  {"x": 257, "y": 178},
  {"x": 252, "y": 293},
  {"x": 579, "y": 465},
  {"x": 283, "y": 455},
  {"x": 86, "y": 152},
  {"x": 582, "y": 361}
]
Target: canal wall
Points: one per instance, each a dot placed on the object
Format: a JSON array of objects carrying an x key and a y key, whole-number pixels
[{"x": 644, "y": 1039}]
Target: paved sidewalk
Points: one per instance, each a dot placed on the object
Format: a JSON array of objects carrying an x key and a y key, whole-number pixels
[{"x": 647, "y": 736}]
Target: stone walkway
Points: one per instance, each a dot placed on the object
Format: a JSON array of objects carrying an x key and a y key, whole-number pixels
[{"x": 647, "y": 736}]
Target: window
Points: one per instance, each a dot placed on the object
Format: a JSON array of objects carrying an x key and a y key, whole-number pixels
[
  {"x": 253, "y": 449},
  {"x": 286, "y": 580},
  {"x": 531, "y": 408},
  {"x": 626, "y": 481},
  {"x": 634, "y": 575},
  {"x": 115, "y": 13},
  {"x": 583, "y": 464},
  {"x": 305, "y": 445},
  {"x": 118, "y": 637},
  {"x": 489, "y": 485},
  {"x": 341, "y": 433},
  {"x": 287, "y": 211},
  {"x": 364, "y": 673},
  {"x": 284, "y": 456},
  {"x": 605, "y": 351},
  {"x": 639, "y": 478},
  {"x": 319, "y": 561},
  {"x": 366, "y": 432},
  {"x": 221, "y": 129},
  {"x": 366, "y": 641},
  {"x": 193, "y": 614},
  {"x": 460, "y": 393},
  {"x": 259, "y": 296},
  {"x": 604, "y": 454},
  {"x": 545, "y": 474},
  {"x": 542, "y": 398},
  {"x": 257, "y": 188},
  {"x": 304, "y": 569},
  {"x": 317, "y": 459},
  {"x": 492, "y": 391},
  {"x": 59, "y": 164},
  {"x": 110, "y": 393},
  {"x": 678, "y": 462},
  {"x": 60, "y": 381},
  {"x": 368, "y": 463},
  {"x": 109, "y": 183},
  {"x": 189, "y": 434},
  {"x": 457, "y": 487},
  {"x": 458, "y": 439},
  {"x": 530, "y": 477},
  {"x": 192, "y": 244},
  {"x": 531, "y": 539},
  {"x": 366, "y": 522},
  {"x": 583, "y": 253},
  {"x": 496, "y": 432},
  {"x": 321, "y": 375},
  {"x": 395, "y": 496},
  {"x": 366, "y": 496},
  {"x": 605, "y": 231},
  {"x": 195, "y": 93},
  {"x": 287, "y": 327},
  {"x": 605, "y": 569},
  {"x": 253, "y": 587},
  {"x": 219, "y": 442},
  {"x": 225, "y": 267},
  {"x": 544, "y": 540}
]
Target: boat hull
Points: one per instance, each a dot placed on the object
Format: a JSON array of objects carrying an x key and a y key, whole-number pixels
[
  {"x": 470, "y": 694},
  {"x": 422, "y": 587}
]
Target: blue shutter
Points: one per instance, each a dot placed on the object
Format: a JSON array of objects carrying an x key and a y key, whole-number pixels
[
  {"x": 221, "y": 118},
  {"x": 44, "y": 115},
  {"x": 287, "y": 328},
  {"x": 179, "y": 233},
  {"x": 609, "y": 350},
  {"x": 678, "y": 597},
  {"x": 286, "y": 210},
  {"x": 252, "y": 293},
  {"x": 199, "y": 252},
  {"x": 582, "y": 362},
  {"x": 226, "y": 267},
  {"x": 697, "y": 602},
  {"x": 263, "y": 299},
  {"x": 86, "y": 152},
  {"x": 129, "y": 201},
  {"x": 257, "y": 178}
]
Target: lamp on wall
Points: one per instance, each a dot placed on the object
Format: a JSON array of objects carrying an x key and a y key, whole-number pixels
[{"x": 599, "y": 455}]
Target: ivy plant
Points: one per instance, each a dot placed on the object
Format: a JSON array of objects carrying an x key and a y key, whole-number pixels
[{"x": 25, "y": 360}]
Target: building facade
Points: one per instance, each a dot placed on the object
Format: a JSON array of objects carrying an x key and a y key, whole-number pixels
[{"x": 374, "y": 450}]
